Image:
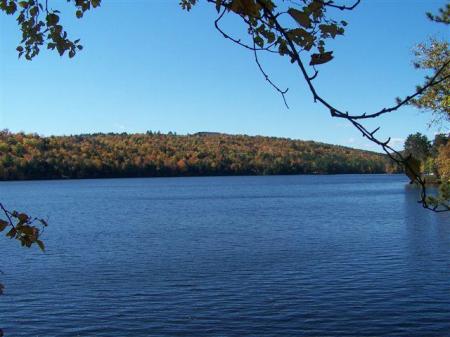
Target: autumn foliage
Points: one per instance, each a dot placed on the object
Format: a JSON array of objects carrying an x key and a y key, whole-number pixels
[{"x": 29, "y": 156}]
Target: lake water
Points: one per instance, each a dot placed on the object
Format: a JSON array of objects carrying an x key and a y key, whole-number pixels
[{"x": 350, "y": 255}]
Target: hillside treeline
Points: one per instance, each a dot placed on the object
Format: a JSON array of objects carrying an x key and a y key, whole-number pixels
[
  {"x": 30, "y": 156},
  {"x": 434, "y": 156}
]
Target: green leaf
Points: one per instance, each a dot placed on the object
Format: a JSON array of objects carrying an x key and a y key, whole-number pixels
[
  {"x": 12, "y": 233},
  {"x": 34, "y": 11},
  {"x": 11, "y": 8},
  {"x": 282, "y": 48},
  {"x": 52, "y": 19},
  {"x": 321, "y": 58},
  {"x": 3, "y": 225},
  {"x": 245, "y": 7},
  {"x": 218, "y": 4},
  {"x": 331, "y": 30},
  {"x": 302, "y": 38},
  {"x": 23, "y": 4},
  {"x": 259, "y": 41},
  {"x": 301, "y": 17},
  {"x": 41, "y": 245},
  {"x": 315, "y": 8}
]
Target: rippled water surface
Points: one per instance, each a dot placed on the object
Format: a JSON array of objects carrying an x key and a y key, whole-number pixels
[{"x": 228, "y": 256}]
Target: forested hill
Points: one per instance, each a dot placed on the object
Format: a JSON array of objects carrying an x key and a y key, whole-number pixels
[{"x": 29, "y": 156}]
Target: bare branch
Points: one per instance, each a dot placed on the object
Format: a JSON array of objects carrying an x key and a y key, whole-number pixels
[
  {"x": 342, "y": 7},
  {"x": 391, "y": 152},
  {"x": 237, "y": 41},
  {"x": 282, "y": 92}
]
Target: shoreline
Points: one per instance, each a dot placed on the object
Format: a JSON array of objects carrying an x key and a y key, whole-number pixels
[{"x": 201, "y": 176}]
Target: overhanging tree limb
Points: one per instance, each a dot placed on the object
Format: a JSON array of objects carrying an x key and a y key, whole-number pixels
[
  {"x": 268, "y": 32},
  {"x": 267, "y": 16}
]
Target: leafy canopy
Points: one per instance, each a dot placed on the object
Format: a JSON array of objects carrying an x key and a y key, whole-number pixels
[
  {"x": 418, "y": 146},
  {"x": 305, "y": 23},
  {"x": 432, "y": 56},
  {"x": 309, "y": 26},
  {"x": 40, "y": 25},
  {"x": 21, "y": 227}
]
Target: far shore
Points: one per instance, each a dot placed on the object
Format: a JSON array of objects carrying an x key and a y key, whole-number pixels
[{"x": 204, "y": 176}]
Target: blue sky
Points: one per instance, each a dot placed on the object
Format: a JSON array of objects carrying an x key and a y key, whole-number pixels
[{"x": 152, "y": 66}]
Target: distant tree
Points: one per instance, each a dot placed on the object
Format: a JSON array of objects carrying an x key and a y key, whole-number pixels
[
  {"x": 440, "y": 139},
  {"x": 433, "y": 160},
  {"x": 418, "y": 146},
  {"x": 149, "y": 155},
  {"x": 443, "y": 162},
  {"x": 292, "y": 29}
]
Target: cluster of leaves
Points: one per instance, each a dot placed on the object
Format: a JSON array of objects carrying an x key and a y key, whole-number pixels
[
  {"x": 41, "y": 25},
  {"x": 21, "y": 227},
  {"x": 421, "y": 155},
  {"x": 432, "y": 56},
  {"x": 443, "y": 15},
  {"x": 29, "y": 156},
  {"x": 418, "y": 146},
  {"x": 307, "y": 26}
]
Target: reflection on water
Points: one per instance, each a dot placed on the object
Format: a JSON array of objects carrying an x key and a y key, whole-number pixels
[
  {"x": 428, "y": 236},
  {"x": 229, "y": 256}
]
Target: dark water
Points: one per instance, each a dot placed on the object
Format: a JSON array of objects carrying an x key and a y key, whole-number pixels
[{"x": 233, "y": 256}]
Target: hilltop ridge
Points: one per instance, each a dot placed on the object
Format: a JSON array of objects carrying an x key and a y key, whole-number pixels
[{"x": 100, "y": 155}]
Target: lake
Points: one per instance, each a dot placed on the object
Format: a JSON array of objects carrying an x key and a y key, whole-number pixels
[{"x": 344, "y": 255}]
